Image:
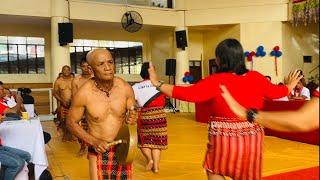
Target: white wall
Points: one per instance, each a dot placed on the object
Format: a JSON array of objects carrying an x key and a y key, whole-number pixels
[
  {"x": 26, "y": 7},
  {"x": 242, "y": 14},
  {"x": 95, "y": 11},
  {"x": 162, "y": 47},
  {"x": 268, "y": 34},
  {"x": 214, "y": 4},
  {"x": 297, "y": 42}
]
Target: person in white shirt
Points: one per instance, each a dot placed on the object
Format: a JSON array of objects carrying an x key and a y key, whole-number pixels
[
  {"x": 300, "y": 92},
  {"x": 10, "y": 100}
]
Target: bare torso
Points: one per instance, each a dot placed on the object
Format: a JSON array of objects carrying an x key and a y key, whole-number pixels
[
  {"x": 64, "y": 88},
  {"x": 105, "y": 115}
]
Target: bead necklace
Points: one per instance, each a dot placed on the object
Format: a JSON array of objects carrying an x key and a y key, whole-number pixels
[{"x": 101, "y": 89}]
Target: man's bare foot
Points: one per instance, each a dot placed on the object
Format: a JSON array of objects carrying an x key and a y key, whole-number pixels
[
  {"x": 149, "y": 165},
  {"x": 82, "y": 152}
]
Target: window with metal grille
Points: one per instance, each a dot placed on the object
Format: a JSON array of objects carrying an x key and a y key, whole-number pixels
[
  {"x": 22, "y": 55},
  {"x": 127, "y": 55}
]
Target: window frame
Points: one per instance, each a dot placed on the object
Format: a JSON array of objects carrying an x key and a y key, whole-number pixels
[
  {"x": 116, "y": 52},
  {"x": 20, "y": 70}
]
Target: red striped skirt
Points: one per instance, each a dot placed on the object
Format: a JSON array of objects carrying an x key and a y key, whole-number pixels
[
  {"x": 234, "y": 149},
  {"x": 152, "y": 128},
  {"x": 109, "y": 168}
]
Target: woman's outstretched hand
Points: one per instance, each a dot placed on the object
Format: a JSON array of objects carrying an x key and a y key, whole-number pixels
[
  {"x": 292, "y": 79},
  {"x": 152, "y": 74}
]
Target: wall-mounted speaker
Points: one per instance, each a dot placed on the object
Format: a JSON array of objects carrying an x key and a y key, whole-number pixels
[
  {"x": 170, "y": 67},
  {"x": 181, "y": 39},
  {"x": 307, "y": 59},
  {"x": 65, "y": 33}
]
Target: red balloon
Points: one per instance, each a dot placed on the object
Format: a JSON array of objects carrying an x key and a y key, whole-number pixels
[
  {"x": 186, "y": 73},
  {"x": 249, "y": 58},
  {"x": 276, "y": 48},
  {"x": 252, "y": 53}
]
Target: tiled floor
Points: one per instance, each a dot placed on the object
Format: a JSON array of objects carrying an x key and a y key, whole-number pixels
[{"x": 183, "y": 159}]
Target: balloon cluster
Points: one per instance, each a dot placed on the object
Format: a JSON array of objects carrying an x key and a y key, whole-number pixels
[
  {"x": 249, "y": 55},
  {"x": 187, "y": 77},
  {"x": 260, "y": 52},
  {"x": 276, "y": 52}
]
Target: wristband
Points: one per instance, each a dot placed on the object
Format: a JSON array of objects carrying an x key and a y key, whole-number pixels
[
  {"x": 160, "y": 84},
  {"x": 251, "y": 115}
]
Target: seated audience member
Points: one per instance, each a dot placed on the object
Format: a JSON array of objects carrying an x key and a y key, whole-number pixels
[
  {"x": 9, "y": 98},
  {"x": 26, "y": 96},
  {"x": 28, "y": 102},
  {"x": 13, "y": 160},
  {"x": 300, "y": 92},
  {"x": 4, "y": 108},
  {"x": 312, "y": 86}
]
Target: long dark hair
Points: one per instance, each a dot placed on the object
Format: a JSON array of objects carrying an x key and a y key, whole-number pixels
[
  {"x": 230, "y": 57},
  {"x": 144, "y": 70}
]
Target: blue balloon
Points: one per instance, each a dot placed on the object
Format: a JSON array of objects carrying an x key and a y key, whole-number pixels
[
  {"x": 278, "y": 54},
  {"x": 184, "y": 79},
  {"x": 246, "y": 54},
  {"x": 258, "y": 53},
  {"x": 263, "y": 53},
  {"x": 187, "y": 78},
  {"x": 260, "y": 48},
  {"x": 273, "y": 53},
  {"x": 191, "y": 79}
]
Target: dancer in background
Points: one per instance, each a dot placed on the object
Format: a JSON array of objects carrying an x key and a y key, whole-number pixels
[
  {"x": 152, "y": 124},
  {"x": 77, "y": 82},
  {"x": 62, "y": 92}
]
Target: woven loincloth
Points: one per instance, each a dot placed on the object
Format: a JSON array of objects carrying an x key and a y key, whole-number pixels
[{"x": 108, "y": 166}]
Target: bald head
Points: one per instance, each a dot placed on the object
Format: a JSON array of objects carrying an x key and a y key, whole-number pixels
[
  {"x": 101, "y": 63},
  {"x": 94, "y": 55}
]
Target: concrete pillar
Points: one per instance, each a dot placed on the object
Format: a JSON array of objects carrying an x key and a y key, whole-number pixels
[
  {"x": 182, "y": 64},
  {"x": 182, "y": 57},
  {"x": 60, "y": 55}
]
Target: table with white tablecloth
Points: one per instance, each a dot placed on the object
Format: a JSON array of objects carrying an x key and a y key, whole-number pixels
[{"x": 27, "y": 136}]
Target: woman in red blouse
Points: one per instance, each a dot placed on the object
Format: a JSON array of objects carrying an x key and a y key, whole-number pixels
[{"x": 235, "y": 146}]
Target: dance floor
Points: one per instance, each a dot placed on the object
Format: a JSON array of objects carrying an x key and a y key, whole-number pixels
[{"x": 183, "y": 159}]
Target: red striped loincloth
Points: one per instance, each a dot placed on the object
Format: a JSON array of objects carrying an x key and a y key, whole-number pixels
[
  {"x": 109, "y": 168},
  {"x": 63, "y": 113},
  {"x": 152, "y": 128},
  {"x": 234, "y": 148}
]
